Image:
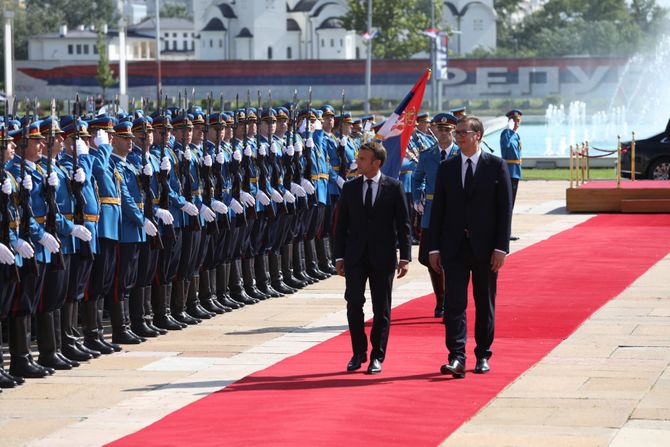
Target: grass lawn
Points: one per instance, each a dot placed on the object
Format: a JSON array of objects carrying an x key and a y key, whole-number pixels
[{"x": 564, "y": 174}]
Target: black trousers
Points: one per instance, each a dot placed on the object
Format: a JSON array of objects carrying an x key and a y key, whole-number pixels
[
  {"x": 381, "y": 285},
  {"x": 515, "y": 186},
  {"x": 7, "y": 288},
  {"x": 147, "y": 264},
  {"x": 457, "y": 276},
  {"x": 127, "y": 258},
  {"x": 80, "y": 273},
  {"x": 27, "y": 293},
  {"x": 103, "y": 271},
  {"x": 55, "y": 286},
  {"x": 190, "y": 249},
  {"x": 168, "y": 258}
]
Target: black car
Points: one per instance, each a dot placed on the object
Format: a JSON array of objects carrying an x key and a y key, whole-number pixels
[{"x": 652, "y": 157}]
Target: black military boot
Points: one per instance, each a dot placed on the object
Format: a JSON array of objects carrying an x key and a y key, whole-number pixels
[
  {"x": 149, "y": 312},
  {"x": 163, "y": 318},
  {"x": 46, "y": 343},
  {"x": 91, "y": 335},
  {"x": 126, "y": 318},
  {"x": 6, "y": 379},
  {"x": 101, "y": 327},
  {"x": 205, "y": 294},
  {"x": 299, "y": 265},
  {"x": 236, "y": 284},
  {"x": 70, "y": 349},
  {"x": 323, "y": 254},
  {"x": 276, "y": 277},
  {"x": 179, "y": 303},
  {"x": 249, "y": 278},
  {"x": 213, "y": 291},
  {"x": 58, "y": 338},
  {"x": 120, "y": 332},
  {"x": 138, "y": 325},
  {"x": 21, "y": 363},
  {"x": 311, "y": 261},
  {"x": 222, "y": 273},
  {"x": 75, "y": 332},
  {"x": 193, "y": 306},
  {"x": 287, "y": 268},
  {"x": 261, "y": 268}
]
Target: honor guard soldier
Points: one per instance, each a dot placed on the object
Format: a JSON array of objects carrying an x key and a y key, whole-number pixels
[
  {"x": 510, "y": 151},
  {"x": 35, "y": 258},
  {"x": 424, "y": 188},
  {"x": 421, "y": 140},
  {"x": 108, "y": 183},
  {"x": 459, "y": 112}
]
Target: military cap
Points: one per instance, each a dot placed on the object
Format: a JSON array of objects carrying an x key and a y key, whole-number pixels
[
  {"x": 514, "y": 113},
  {"x": 356, "y": 121},
  {"x": 161, "y": 121},
  {"x": 67, "y": 125},
  {"x": 268, "y": 114},
  {"x": 328, "y": 110},
  {"x": 140, "y": 124},
  {"x": 282, "y": 113},
  {"x": 425, "y": 116},
  {"x": 124, "y": 129},
  {"x": 368, "y": 118},
  {"x": 181, "y": 122},
  {"x": 229, "y": 118},
  {"x": 23, "y": 122},
  {"x": 251, "y": 114},
  {"x": 45, "y": 126},
  {"x": 197, "y": 117},
  {"x": 346, "y": 117},
  {"x": 13, "y": 124},
  {"x": 34, "y": 131},
  {"x": 458, "y": 111},
  {"x": 444, "y": 120},
  {"x": 304, "y": 112},
  {"x": 214, "y": 119},
  {"x": 5, "y": 135},
  {"x": 102, "y": 122}
]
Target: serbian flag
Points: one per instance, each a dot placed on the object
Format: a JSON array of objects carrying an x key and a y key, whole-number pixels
[{"x": 398, "y": 128}]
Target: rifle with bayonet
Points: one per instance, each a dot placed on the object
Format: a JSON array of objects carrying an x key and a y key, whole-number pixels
[
  {"x": 193, "y": 221},
  {"x": 24, "y": 200},
  {"x": 246, "y": 162},
  {"x": 163, "y": 176},
  {"x": 206, "y": 175},
  {"x": 218, "y": 171},
  {"x": 307, "y": 173},
  {"x": 148, "y": 193},
  {"x": 85, "y": 250},
  {"x": 235, "y": 170},
  {"x": 297, "y": 165},
  {"x": 287, "y": 160},
  {"x": 5, "y": 200},
  {"x": 262, "y": 160},
  {"x": 272, "y": 157},
  {"x": 341, "y": 149},
  {"x": 57, "y": 260}
]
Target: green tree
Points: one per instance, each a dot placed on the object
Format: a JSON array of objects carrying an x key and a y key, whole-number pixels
[
  {"x": 174, "y": 11},
  {"x": 104, "y": 75},
  {"x": 399, "y": 24}
]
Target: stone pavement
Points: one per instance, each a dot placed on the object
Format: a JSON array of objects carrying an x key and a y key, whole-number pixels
[{"x": 615, "y": 391}]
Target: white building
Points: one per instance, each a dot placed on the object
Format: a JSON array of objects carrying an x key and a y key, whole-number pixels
[{"x": 474, "y": 23}]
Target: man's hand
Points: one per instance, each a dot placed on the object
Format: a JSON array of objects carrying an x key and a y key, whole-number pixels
[
  {"x": 339, "y": 266},
  {"x": 497, "y": 260},
  {"x": 435, "y": 262},
  {"x": 403, "y": 268}
]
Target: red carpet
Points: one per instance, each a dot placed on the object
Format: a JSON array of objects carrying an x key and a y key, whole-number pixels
[{"x": 545, "y": 292}]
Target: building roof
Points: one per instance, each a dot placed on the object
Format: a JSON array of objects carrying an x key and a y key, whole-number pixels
[
  {"x": 292, "y": 25},
  {"x": 87, "y": 34},
  {"x": 215, "y": 25},
  {"x": 244, "y": 32},
  {"x": 304, "y": 5},
  {"x": 227, "y": 11},
  {"x": 331, "y": 23},
  {"x": 149, "y": 24},
  {"x": 318, "y": 10}
]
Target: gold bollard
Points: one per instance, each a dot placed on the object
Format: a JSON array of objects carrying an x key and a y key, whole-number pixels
[
  {"x": 618, "y": 161},
  {"x": 588, "y": 166},
  {"x": 571, "y": 173},
  {"x": 583, "y": 164},
  {"x": 632, "y": 158}
]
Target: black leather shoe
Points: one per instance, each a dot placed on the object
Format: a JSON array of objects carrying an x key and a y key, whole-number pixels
[
  {"x": 455, "y": 368},
  {"x": 482, "y": 366},
  {"x": 439, "y": 313},
  {"x": 356, "y": 361},
  {"x": 514, "y": 238},
  {"x": 375, "y": 366}
]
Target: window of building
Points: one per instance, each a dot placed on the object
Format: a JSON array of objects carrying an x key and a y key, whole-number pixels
[
  {"x": 185, "y": 35},
  {"x": 341, "y": 42},
  {"x": 323, "y": 43},
  {"x": 95, "y": 49},
  {"x": 86, "y": 49},
  {"x": 174, "y": 35},
  {"x": 220, "y": 43},
  {"x": 174, "y": 45},
  {"x": 185, "y": 46},
  {"x": 211, "y": 43},
  {"x": 289, "y": 53},
  {"x": 478, "y": 25},
  {"x": 269, "y": 52},
  {"x": 78, "y": 48},
  {"x": 70, "y": 49},
  {"x": 358, "y": 53},
  {"x": 167, "y": 34},
  {"x": 332, "y": 43}
]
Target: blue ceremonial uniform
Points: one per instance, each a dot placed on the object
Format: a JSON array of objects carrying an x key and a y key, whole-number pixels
[
  {"x": 425, "y": 174},
  {"x": 350, "y": 152},
  {"x": 64, "y": 225},
  {"x": 132, "y": 220},
  {"x": 108, "y": 181},
  {"x": 320, "y": 174},
  {"x": 510, "y": 151},
  {"x": 177, "y": 201}
]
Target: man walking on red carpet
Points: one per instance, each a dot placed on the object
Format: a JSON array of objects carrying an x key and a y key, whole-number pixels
[
  {"x": 372, "y": 221},
  {"x": 469, "y": 234}
]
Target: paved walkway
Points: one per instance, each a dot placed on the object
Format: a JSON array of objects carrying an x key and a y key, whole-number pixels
[{"x": 605, "y": 385}]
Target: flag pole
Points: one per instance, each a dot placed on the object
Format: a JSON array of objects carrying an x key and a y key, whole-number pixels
[{"x": 368, "y": 62}]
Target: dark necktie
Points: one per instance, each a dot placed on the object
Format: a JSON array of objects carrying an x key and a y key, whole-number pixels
[
  {"x": 467, "y": 186},
  {"x": 368, "y": 197},
  {"x": 443, "y": 154}
]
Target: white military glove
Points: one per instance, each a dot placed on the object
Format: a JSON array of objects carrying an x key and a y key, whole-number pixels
[
  {"x": 340, "y": 182},
  {"x": 318, "y": 125},
  {"x": 82, "y": 148},
  {"x": 290, "y": 198},
  {"x": 50, "y": 243},
  {"x": 24, "y": 249},
  {"x": 353, "y": 166},
  {"x": 298, "y": 190},
  {"x": 298, "y": 146},
  {"x": 165, "y": 216},
  {"x": 79, "y": 175},
  {"x": 220, "y": 159},
  {"x": 207, "y": 160},
  {"x": 219, "y": 207},
  {"x": 148, "y": 170},
  {"x": 247, "y": 150},
  {"x": 309, "y": 143},
  {"x": 6, "y": 256},
  {"x": 53, "y": 179},
  {"x": 303, "y": 126},
  {"x": 290, "y": 150},
  {"x": 307, "y": 186},
  {"x": 276, "y": 196},
  {"x": 82, "y": 233},
  {"x": 207, "y": 213},
  {"x": 263, "y": 198},
  {"x": 237, "y": 156},
  {"x": 7, "y": 186},
  {"x": 263, "y": 149},
  {"x": 101, "y": 137},
  {"x": 274, "y": 147},
  {"x": 236, "y": 207},
  {"x": 165, "y": 164},
  {"x": 418, "y": 206},
  {"x": 27, "y": 182},
  {"x": 149, "y": 228},
  {"x": 190, "y": 209},
  {"x": 187, "y": 154},
  {"x": 344, "y": 140},
  {"x": 247, "y": 199}
]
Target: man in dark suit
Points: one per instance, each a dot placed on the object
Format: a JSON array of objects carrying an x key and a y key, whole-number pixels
[
  {"x": 372, "y": 221},
  {"x": 469, "y": 234}
]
